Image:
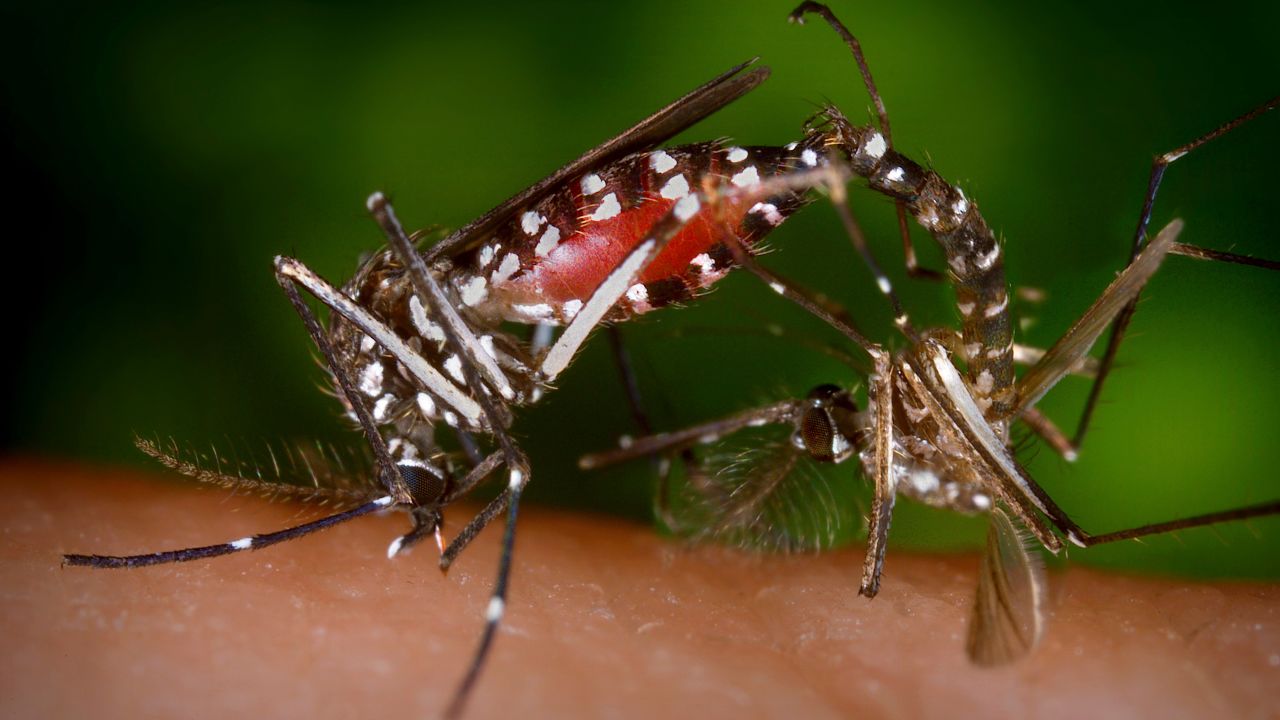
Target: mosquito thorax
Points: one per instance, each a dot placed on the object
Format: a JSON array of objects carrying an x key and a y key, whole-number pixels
[{"x": 828, "y": 428}]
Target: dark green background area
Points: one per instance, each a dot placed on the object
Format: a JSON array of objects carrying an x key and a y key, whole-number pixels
[{"x": 167, "y": 153}]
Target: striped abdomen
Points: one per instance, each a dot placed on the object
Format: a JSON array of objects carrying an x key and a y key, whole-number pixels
[
  {"x": 543, "y": 264},
  {"x": 972, "y": 251}
]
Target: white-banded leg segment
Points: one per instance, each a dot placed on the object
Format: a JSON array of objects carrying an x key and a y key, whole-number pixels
[
  {"x": 431, "y": 378},
  {"x": 425, "y": 284},
  {"x": 252, "y": 542},
  {"x": 498, "y": 600}
]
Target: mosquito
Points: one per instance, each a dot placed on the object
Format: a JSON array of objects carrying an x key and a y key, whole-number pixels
[
  {"x": 936, "y": 428},
  {"x": 420, "y": 346}
]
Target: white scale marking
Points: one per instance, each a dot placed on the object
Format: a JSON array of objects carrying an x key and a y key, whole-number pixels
[
  {"x": 394, "y": 548},
  {"x": 746, "y": 178},
  {"x": 486, "y": 255},
  {"x": 769, "y": 211},
  {"x": 425, "y": 327},
  {"x": 638, "y": 294},
  {"x": 371, "y": 379},
  {"x": 453, "y": 366},
  {"x": 381, "y": 407},
  {"x": 530, "y": 222},
  {"x": 366, "y": 344},
  {"x": 609, "y": 208},
  {"x": 736, "y": 155},
  {"x": 508, "y": 267},
  {"x": 516, "y": 480},
  {"x": 687, "y": 206},
  {"x": 242, "y": 543},
  {"x": 474, "y": 291},
  {"x": 676, "y": 188},
  {"x": 996, "y": 309},
  {"x": 705, "y": 264},
  {"x": 494, "y": 612},
  {"x": 876, "y": 146},
  {"x": 988, "y": 259},
  {"x": 548, "y": 242},
  {"x": 661, "y": 162},
  {"x": 592, "y": 184},
  {"x": 896, "y": 174},
  {"x": 538, "y": 311},
  {"x": 486, "y": 342},
  {"x": 571, "y": 308},
  {"x": 426, "y": 404},
  {"x": 885, "y": 287},
  {"x": 778, "y": 288},
  {"x": 383, "y": 501},
  {"x": 809, "y": 157}
]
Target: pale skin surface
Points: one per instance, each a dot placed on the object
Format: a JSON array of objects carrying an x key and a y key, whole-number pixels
[{"x": 605, "y": 618}]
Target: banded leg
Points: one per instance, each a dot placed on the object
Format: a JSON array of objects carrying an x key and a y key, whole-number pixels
[
  {"x": 1158, "y": 167},
  {"x": 252, "y": 542},
  {"x": 914, "y": 269}
]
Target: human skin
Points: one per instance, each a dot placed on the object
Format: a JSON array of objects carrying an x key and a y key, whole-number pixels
[{"x": 605, "y": 618}]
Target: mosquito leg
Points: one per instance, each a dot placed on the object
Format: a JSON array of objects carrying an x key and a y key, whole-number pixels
[
  {"x": 1158, "y": 167},
  {"x": 497, "y": 601},
  {"x": 799, "y": 296},
  {"x": 914, "y": 269},
  {"x": 854, "y": 231},
  {"x": 1242, "y": 513},
  {"x": 1049, "y": 432},
  {"x": 881, "y": 398},
  {"x": 387, "y": 471},
  {"x": 627, "y": 374},
  {"x": 779, "y": 412},
  {"x": 478, "y": 367},
  {"x": 253, "y": 542}
]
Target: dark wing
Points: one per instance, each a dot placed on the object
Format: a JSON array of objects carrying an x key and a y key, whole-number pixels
[
  {"x": 1008, "y": 608},
  {"x": 650, "y": 132},
  {"x": 311, "y": 472}
]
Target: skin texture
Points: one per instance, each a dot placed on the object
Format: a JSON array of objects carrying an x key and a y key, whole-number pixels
[{"x": 605, "y": 618}]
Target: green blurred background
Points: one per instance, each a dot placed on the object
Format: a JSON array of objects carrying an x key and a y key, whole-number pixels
[{"x": 167, "y": 151}]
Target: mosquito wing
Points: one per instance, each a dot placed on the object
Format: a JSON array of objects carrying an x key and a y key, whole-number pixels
[
  {"x": 1067, "y": 353},
  {"x": 650, "y": 132},
  {"x": 762, "y": 492},
  {"x": 1008, "y": 608},
  {"x": 312, "y": 472}
]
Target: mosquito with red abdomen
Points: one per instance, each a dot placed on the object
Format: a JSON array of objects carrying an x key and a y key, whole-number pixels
[
  {"x": 416, "y": 345},
  {"x": 937, "y": 424}
]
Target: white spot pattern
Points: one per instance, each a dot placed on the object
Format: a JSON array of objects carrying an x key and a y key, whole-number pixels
[
  {"x": 453, "y": 366},
  {"x": 769, "y": 211},
  {"x": 475, "y": 291},
  {"x": 530, "y": 222},
  {"x": 508, "y": 267},
  {"x": 687, "y": 206},
  {"x": 609, "y": 207},
  {"x": 592, "y": 184},
  {"x": 809, "y": 157},
  {"x": 638, "y": 293},
  {"x": 371, "y": 379},
  {"x": 676, "y": 188},
  {"x": 548, "y": 242},
  {"x": 661, "y": 162},
  {"x": 571, "y": 308},
  {"x": 746, "y": 178},
  {"x": 876, "y": 146},
  {"x": 736, "y": 155}
]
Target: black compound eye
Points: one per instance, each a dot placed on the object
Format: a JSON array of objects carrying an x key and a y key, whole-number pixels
[
  {"x": 816, "y": 433},
  {"x": 426, "y": 485}
]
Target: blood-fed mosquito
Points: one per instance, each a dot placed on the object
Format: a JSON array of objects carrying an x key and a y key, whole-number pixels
[
  {"x": 417, "y": 347},
  {"x": 939, "y": 413}
]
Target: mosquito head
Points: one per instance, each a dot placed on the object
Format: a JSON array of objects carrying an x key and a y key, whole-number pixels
[
  {"x": 829, "y": 429},
  {"x": 428, "y": 486}
]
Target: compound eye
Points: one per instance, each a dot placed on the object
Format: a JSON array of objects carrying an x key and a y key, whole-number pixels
[
  {"x": 816, "y": 433},
  {"x": 427, "y": 485}
]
